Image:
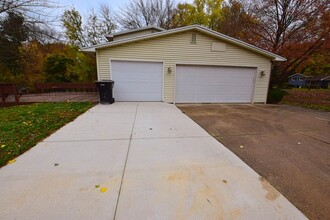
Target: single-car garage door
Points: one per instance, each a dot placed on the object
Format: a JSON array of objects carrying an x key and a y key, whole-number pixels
[
  {"x": 137, "y": 81},
  {"x": 214, "y": 84}
]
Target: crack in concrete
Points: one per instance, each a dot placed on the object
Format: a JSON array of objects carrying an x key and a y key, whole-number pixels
[
  {"x": 264, "y": 133},
  {"x": 315, "y": 138},
  {"x": 123, "y": 139}
]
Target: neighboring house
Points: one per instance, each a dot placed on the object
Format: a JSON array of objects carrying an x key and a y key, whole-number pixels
[
  {"x": 297, "y": 80},
  {"x": 190, "y": 64},
  {"x": 318, "y": 82}
]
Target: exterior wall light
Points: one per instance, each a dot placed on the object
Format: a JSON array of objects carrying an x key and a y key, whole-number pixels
[
  {"x": 169, "y": 70},
  {"x": 262, "y": 73}
]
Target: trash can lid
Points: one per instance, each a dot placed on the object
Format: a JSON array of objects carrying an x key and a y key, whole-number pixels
[{"x": 105, "y": 81}]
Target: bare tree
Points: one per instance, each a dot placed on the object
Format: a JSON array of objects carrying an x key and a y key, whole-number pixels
[
  {"x": 105, "y": 16},
  {"x": 38, "y": 16},
  {"x": 93, "y": 28},
  {"x": 23, "y": 6},
  {"x": 139, "y": 13},
  {"x": 92, "y": 31},
  {"x": 33, "y": 10},
  {"x": 284, "y": 21},
  {"x": 295, "y": 29},
  {"x": 99, "y": 23}
]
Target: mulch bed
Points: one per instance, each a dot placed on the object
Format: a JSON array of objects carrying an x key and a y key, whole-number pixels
[
  {"x": 308, "y": 98},
  {"x": 313, "y": 96}
]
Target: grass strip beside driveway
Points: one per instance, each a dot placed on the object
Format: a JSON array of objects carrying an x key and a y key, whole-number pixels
[{"x": 22, "y": 127}]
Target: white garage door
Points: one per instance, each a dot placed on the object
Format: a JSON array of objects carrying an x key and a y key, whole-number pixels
[
  {"x": 137, "y": 81},
  {"x": 211, "y": 84}
]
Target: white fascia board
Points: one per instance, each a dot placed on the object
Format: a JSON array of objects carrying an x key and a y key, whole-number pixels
[
  {"x": 88, "y": 49},
  {"x": 279, "y": 58}
]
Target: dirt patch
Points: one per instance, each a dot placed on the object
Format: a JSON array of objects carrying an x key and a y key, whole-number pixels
[{"x": 289, "y": 146}]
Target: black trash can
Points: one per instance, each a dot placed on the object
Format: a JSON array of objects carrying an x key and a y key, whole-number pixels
[{"x": 105, "y": 91}]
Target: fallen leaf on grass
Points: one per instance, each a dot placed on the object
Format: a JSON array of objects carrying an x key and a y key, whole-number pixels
[
  {"x": 11, "y": 161},
  {"x": 103, "y": 189},
  {"x": 3, "y": 145}
]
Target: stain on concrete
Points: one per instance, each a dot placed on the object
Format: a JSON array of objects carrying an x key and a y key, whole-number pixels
[
  {"x": 235, "y": 213},
  {"x": 177, "y": 176},
  {"x": 82, "y": 189},
  {"x": 194, "y": 202},
  {"x": 200, "y": 205},
  {"x": 272, "y": 193}
]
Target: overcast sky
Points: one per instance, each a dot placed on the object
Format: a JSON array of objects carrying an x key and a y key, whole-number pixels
[{"x": 83, "y": 5}]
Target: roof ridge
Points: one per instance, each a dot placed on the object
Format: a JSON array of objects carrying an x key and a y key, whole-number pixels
[{"x": 135, "y": 30}]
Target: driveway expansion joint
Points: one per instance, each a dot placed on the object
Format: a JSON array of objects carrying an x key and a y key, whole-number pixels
[
  {"x": 264, "y": 133},
  {"x": 126, "y": 159},
  {"x": 172, "y": 137},
  {"x": 90, "y": 140}
]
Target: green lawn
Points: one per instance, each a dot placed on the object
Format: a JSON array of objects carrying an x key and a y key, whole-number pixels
[{"x": 22, "y": 127}]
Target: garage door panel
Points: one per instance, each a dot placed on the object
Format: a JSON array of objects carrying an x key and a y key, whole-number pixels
[
  {"x": 137, "y": 81},
  {"x": 198, "y": 84}
]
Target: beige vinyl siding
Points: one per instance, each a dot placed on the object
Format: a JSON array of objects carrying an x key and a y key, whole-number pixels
[
  {"x": 134, "y": 34},
  {"x": 177, "y": 49}
]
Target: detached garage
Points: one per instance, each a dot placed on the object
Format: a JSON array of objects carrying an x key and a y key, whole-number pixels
[{"x": 185, "y": 65}]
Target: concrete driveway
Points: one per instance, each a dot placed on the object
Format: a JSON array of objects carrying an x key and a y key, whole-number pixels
[
  {"x": 289, "y": 146},
  {"x": 151, "y": 161}
]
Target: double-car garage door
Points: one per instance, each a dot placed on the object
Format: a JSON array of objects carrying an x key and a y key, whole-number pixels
[
  {"x": 143, "y": 81},
  {"x": 214, "y": 84}
]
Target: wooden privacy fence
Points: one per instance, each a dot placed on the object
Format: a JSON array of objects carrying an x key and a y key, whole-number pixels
[
  {"x": 65, "y": 86},
  {"x": 7, "y": 89}
]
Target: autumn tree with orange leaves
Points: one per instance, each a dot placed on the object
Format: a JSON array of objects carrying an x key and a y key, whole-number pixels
[{"x": 295, "y": 29}]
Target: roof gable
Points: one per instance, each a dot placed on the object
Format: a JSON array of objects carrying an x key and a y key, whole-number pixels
[
  {"x": 297, "y": 74},
  {"x": 202, "y": 29}
]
